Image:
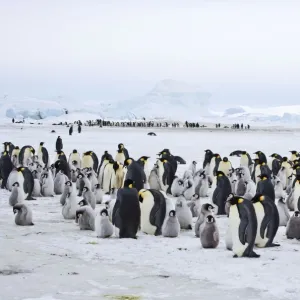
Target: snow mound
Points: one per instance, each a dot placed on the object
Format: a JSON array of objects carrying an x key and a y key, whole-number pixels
[{"x": 31, "y": 108}]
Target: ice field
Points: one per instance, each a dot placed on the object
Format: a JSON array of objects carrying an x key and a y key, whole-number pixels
[{"x": 54, "y": 260}]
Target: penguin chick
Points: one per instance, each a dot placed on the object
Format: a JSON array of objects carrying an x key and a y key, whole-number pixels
[
  {"x": 17, "y": 194},
  {"x": 171, "y": 226},
  {"x": 23, "y": 214},
  {"x": 86, "y": 218},
  {"x": 177, "y": 187},
  {"x": 98, "y": 194},
  {"x": 279, "y": 193},
  {"x": 47, "y": 185},
  {"x": 36, "y": 188},
  {"x": 67, "y": 189},
  {"x": 293, "y": 226},
  {"x": 189, "y": 189},
  {"x": 209, "y": 235},
  {"x": 82, "y": 182},
  {"x": 69, "y": 208},
  {"x": 59, "y": 183},
  {"x": 89, "y": 197},
  {"x": 192, "y": 167},
  {"x": 283, "y": 211},
  {"x": 206, "y": 209},
  {"x": 103, "y": 226},
  {"x": 184, "y": 214}
]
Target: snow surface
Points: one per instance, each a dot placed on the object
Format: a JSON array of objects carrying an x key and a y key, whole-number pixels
[{"x": 54, "y": 260}]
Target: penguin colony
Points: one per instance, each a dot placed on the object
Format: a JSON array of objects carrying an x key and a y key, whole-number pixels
[{"x": 256, "y": 197}]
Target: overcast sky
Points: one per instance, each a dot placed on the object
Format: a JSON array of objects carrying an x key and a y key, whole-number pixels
[{"x": 240, "y": 51}]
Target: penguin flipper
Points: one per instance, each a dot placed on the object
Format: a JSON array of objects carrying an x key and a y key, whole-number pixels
[
  {"x": 252, "y": 254},
  {"x": 264, "y": 224},
  {"x": 243, "y": 230}
]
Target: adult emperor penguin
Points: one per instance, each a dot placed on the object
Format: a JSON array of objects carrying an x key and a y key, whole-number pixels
[
  {"x": 166, "y": 155},
  {"x": 120, "y": 156},
  {"x": 221, "y": 193},
  {"x": 207, "y": 158},
  {"x": 245, "y": 158},
  {"x": 60, "y": 155},
  {"x": 209, "y": 235},
  {"x": 265, "y": 187},
  {"x": 28, "y": 182},
  {"x": 261, "y": 156},
  {"x": 171, "y": 226},
  {"x": 153, "y": 211},
  {"x": 267, "y": 221},
  {"x": 63, "y": 166},
  {"x": 23, "y": 214},
  {"x": 25, "y": 155},
  {"x": 6, "y": 166},
  {"x": 86, "y": 218},
  {"x": 293, "y": 226},
  {"x": 165, "y": 174},
  {"x": 59, "y": 144},
  {"x": 283, "y": 211},
  {"x": 214, "y": 164},
  {"x": 242, "y": 227},
  {"x": 90, "y": 160},
  {"x": 225, "y": 166},
  {"x": 275, "y": 163},
  {"x": 294, "y": 155},
  {"x": 105, "y": 157},
  {"x": 127, "y": 212},
  {"x": 125, "y": 151},
  {"x": 17, "y": 194},
  {"x": 296, "y": 195},
  {"x": 103, "y": 226},
  {"x": 143, "y": 160},
  {"x": 43, "y": 155},
  {"x": 288, "y": 170},
  {"x": 9, "y": 147},
  {"x": 118, "y": 175},
  {"x": 136, "y": 173},
  {"x": 74, "y": 159},
  {"x": 108, "y": 176},
  {"x": 15, "y": 153}
]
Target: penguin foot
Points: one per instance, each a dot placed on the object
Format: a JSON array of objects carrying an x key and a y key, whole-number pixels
[
  {"x": 235, "y": 256},
  {"x": 253, "y": 255},
  {"x": 190, "y": 227},
  {"x": 30, "y": 198},
  {"x": 273, "y": 245},
  {"x": 31, "y": 224}
]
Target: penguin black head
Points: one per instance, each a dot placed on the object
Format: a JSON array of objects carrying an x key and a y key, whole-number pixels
[
  {"x": 180, "y": 182},
  {"x": 210, "y": 219},
  {"x": 235, "y": 200},
  {"x": 120, "y": 151},
  {"x": 172, "y": 213},
  {"x": 281, "y": 200},
  {"x": 128, "y": 161},
  {"x": 263, "y": 176},
  {"x": 45, "y": 175},
  {"x": 196, "y": 196},
  {"x": 75, "y": 151},
  {"x": 20, "y": 169},
  {"x": 121, "y": 146},
  {"x": 208, "y": 207},
  {"x": 164, "y": 152},
  {"x": 284, "y": 158},
  {"x": 97, "y": 186},
  {"x": 294, "y": 152},
  {"x": 104, "y": 213},
  {"x": 32, "y": 150},
  {"x": 298, "y": 178},
  {"x": 42, "y": 143},
  {"x": 88, "y": 153},
  {"x": 85, "y": 189},
  {"x": 111, "y": 161},
  {"x": 207, "y": 151},
  {"x": 17, "y": 148},
  {"x": 16, "y": 184},
  {"x": 17, "y": 207},
  {"x": 258, "y": 198},
  {"x": 80, "y": 175},
  {"x": 216, "y": 155},
  {"x": 257, "y": 152},
  {"x": 143, "y": 158},
  {"x": 129, "y": 183},
  {"x": 68, "y": 183},
  {"x": 225, "y": 159},
  {"x": 79, "y": 212},
  {"x": 244, "y": 152},
  {"x": 83, "y": 202},
  {"x": 194, "y": 163},
  {"x": 297, "y": 214}
]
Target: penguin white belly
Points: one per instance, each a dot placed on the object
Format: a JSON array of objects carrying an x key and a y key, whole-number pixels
[
  {"x": 214, "y": 184},
  {"x": 244, "y": 162},
  {"x": 27, "y": 157},
  {"x": 161, "y": 171},
  {"x": 234, "y": 222},
  {"x": 13, "y": 177},
  {"x": 270, "y": 162},
  {"x": 257, "y": 173},
  {"x": 211, "y": 167},
  {"x": 101, "y": 173},
  {"x": 107, "y": 177},
  {"x": 296, "y": 196},
  {"x": 260, "y": 213},
  {"x": 228, "y": 238},
  {"x": 146, "y": 208},
  {"x": 87, "y": 162},
  {"x": 120, "y": 157},
  {"x": 225, "y": 168}
]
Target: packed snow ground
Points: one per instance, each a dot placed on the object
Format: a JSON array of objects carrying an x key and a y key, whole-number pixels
[{"x": 54, "y": 260}]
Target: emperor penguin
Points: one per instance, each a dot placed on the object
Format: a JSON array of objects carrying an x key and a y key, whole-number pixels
[
  {"x": 125, "y": 151},
  {"x": 207, "y": 158},
  {"x": 68, "y": 188},
  {"x": 154, "y": 182},
  {"x": 17, "y": 194},
  {"x": 183, "y": 213},
  {"x": 37, "y": 189},
  {"x": 6, "y": 168},
  {"x": 136, "y": 173},
  {"x": 164, "y": 174},
  {"x": 106, "y": 158},
  {"x": 60, "y": 155},
  {"x": 265, "y": 187},
  {"x": 9, "y": 147},
  {"x": 242, "y": 227},
  {"x": 293, "y": 226},
  {"x": 59, "y": 182},
  {"x": 86, "y": 218},
  {"x": 287, "y": 168},
  {"x": 15, "y": 154},
  {"x": 209, "y": 235},
  {"x": 26, "y": 177},
  {"x": 98, "y": 194},
  {"x": 43, "y": 155},
  {"x": 279, "y": 192},
  {"x": 74, "y": 159},
  {"x": 118, "y": 175},
  {"x": 143, "y": 160},
  {"x": 47, "y": 185},
  {"x": 108, "y": 176},
  {"x": 177, "y": 187},
  {"x": 192, "y": 167},
  {"x": 283, "y": 211},
  {"x": 275, "y": 163},
  {"x": 267, "y": 221},
  {"x": 189, "y": 189},
  {"x": 206, "y": 210},
  {"x": 166, "y": 156},
  {"x": 70, "y": 207},
  {"x": 221, "y": 192},
  {"x": 89, "y": 196},
  {"x": 59, "y": 144},
  {"x": 153, "y": 211},
  {"x": 83, "y": 181},
  {"x": 120, "y": 156},
  {"x": 225, "y": 166},
  {"x": 296, "y": 195},
  {"x": 261, "y": 156},
  {"x": 103, "y": 226},
  {"x": 92, "y": 178},
  {"x": 171, "y": 226},
  {"x": 90, "y": 160},
  {"x": 214, "y": 164},
  {"x": 126, "y": 214},
  {"x": 23, "y": 214},
  {"x": 25, "y": 155},
  {"x": 294, "y": 155}
]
